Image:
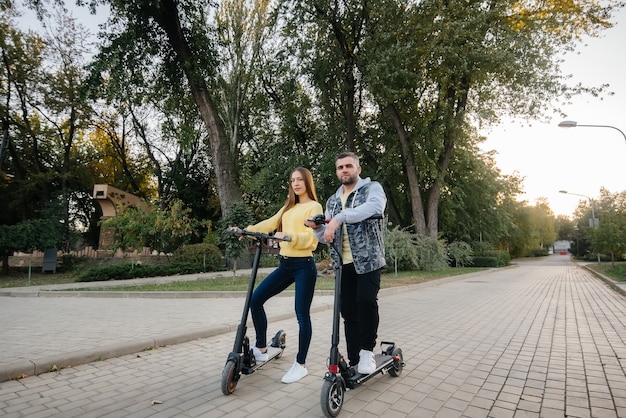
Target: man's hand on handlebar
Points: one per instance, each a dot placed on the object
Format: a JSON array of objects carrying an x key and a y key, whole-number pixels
[{"x": 315, "y": 222}]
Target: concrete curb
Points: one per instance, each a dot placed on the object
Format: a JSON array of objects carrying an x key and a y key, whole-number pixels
[{"x": 610, "y": 282}]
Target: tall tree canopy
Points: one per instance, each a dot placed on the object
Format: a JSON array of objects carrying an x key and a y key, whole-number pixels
[{"x": 249, "y": 89}]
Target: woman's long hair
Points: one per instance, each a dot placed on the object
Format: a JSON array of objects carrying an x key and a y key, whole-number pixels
[{"x": 292, "y": 198}]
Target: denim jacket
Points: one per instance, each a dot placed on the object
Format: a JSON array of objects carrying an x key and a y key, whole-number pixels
[{"x": 364, "y": 219}]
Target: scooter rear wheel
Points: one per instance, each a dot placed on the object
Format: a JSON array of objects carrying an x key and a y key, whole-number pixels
[
  {"x": 332, "y": 395},
  {"x": 396, "y": 370},
  {"x": 230, "y": 377}
]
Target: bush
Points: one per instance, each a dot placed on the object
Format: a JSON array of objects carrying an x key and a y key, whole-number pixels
[
  {"x": 205, "y": 254},
  {"x": 484, "y": 261},
  {"x": 401, "y": 249},
  {"x": 268, "y": 260},
  {"x": 127, "y": 271},
  {"x": 493, "y": 258},
  {"x": 460, "y": 253},
  {"x": 432, "y": 253},
  {"x": 538, "y": 252},
  {"x": 405, "y": 250}
]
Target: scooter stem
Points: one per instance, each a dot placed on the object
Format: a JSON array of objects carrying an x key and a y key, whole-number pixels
[{"x": 242, "y": 328}]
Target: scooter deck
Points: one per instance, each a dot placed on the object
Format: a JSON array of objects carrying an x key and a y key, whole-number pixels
[
  {"x": 273, "y": 353},
  {"x": 383, "y": 362}
]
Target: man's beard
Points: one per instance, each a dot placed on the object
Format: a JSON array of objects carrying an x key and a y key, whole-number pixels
[{"x": 348, "y": 180}]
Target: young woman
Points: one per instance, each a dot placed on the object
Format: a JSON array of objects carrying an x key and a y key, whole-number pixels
[{"x": 296, "y": 266}]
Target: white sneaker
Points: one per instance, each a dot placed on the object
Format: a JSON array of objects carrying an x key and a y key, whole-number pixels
[
  {"x": 367, "y": 362},
  {"x": 259, "y": 355},
  {"x": 294, "y": 374}
]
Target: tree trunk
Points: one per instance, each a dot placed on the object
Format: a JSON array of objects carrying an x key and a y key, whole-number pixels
[
  {"x": 454, "y": 114},
  {"x": 409, "y": 165},
  {"x": 5, "y": 264},
  {"x": 223, "y": 161}
]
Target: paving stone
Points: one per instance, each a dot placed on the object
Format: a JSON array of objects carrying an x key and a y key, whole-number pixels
[{"x": 541, "y": 338}]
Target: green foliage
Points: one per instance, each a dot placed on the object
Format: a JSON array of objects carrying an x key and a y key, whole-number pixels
[
  {"x": 610, "y": 235},
  {"x": 405, "y": 250},
  {"x": 36, "y": 234},
  {"x": 483, "y": 261},
  {"x": 208, "y": 255},
  {"x": 538, "y": 252},
  {"x": 431, "y": 253},
  {"x": 491, "y": 258},
  {"x": 160, "y": 229},
  {"x": 291, "y": 89},
  {"x": 132, "y": 271},
  {"x": 268, "y": 260},
  {"x": 461, "y": 253},
  {"x": 616, "y": 271},
  {"x": 239, "y": 216},
  {"x": 534, "y": 228},
  {"x": 401, "y": 249}
]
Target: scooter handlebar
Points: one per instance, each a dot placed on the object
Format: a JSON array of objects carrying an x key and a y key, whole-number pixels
[
  {"x": 257, "y": 235},
  {"x": 319, "y": 219}
]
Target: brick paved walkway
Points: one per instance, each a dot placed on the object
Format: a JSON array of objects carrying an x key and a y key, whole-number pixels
[{"x": 545, "y": 338}]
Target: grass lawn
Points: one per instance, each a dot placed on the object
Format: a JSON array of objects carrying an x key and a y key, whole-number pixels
[
  {"x": 239, "y": 283},
  {"x": 617, "y": 272},
  {"x": 19, "y": 277}
]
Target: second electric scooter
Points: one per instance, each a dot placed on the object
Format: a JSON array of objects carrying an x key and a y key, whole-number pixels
[
  {"x": 241, "y": 360},
  {"x": 340, "y": 377}
]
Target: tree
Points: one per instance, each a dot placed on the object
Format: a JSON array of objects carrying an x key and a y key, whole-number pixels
[
  {"x": 163, "y": 230},
  {"x": 22, "y": 57},
  {"x": 35, "y": 234},
  {"x": 454, "y": 62},
  {"x": 244, "y": 26},
  {"x": 175, "y": 36},
  {"x": 44, "y": 115},
  {"x": 239, "y": 217},
  {"x": 610, "y": 236},
  {"x": 543, "y": 223}
]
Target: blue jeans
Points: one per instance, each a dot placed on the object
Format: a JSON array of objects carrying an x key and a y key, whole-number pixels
[{"x": 303, "y": 272}]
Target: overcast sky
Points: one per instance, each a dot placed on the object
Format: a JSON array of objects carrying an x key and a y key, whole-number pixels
[{"x": 579, "y": 160}]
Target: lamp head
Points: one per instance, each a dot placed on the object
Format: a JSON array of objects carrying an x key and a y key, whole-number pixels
[
  {"x": 568, "y": 124},
  {"x": 562, "y": 191}
]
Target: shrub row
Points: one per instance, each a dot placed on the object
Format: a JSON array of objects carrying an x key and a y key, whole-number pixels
[
  {"x": 493, "y": 258},
  {"x": 538, "y": 252},
  {"x": 196, "y": 258},
  {"x": 127, "y": 271}
]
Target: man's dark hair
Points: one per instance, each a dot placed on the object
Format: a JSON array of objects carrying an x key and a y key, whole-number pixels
[{"x": 347, "y": 154}]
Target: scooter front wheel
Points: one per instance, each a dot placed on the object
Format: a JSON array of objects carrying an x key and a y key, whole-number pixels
[
  {"x": 331, "y": 400},
  {"x": 230, "y": 377}
]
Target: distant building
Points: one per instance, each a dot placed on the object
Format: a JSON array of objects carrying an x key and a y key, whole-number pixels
[{"x": 562, "y": 245}]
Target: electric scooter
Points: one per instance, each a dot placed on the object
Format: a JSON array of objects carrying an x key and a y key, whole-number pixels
[
  {"x": 340, "y": 377},
  {"x": 241, "y": 360}
]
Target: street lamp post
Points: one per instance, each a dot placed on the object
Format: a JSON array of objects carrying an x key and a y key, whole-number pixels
[
  {"x": 594, "y": 222},
  {"x": 574, "y": 124}
]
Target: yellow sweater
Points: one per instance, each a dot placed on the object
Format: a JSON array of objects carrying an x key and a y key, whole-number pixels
[{"x": 303, "y": 241}]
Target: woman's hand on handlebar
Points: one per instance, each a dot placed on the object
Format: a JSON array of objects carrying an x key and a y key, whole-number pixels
[
  {"x": 235, "y": 230},
  {"x": 281, "y": 235}
]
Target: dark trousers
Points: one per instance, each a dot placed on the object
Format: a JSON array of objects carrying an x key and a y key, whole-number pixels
[
  {"x": 359, "y": 309},
  {"x": 301, "y": 271}
]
